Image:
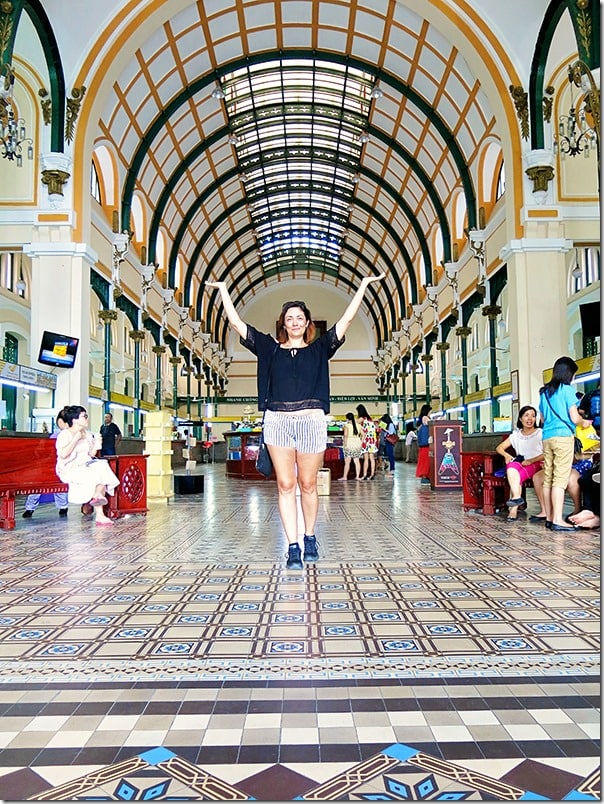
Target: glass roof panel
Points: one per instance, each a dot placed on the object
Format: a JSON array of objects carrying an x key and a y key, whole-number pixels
[{"x": 296, "y": 127}]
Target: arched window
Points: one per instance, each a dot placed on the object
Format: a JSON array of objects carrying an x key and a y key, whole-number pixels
[
  {"x": 137, "y": 223},
  {"x": 461, "y": 210},
  {"x": 438, "y": 248},
  {"x": 106, "y": 174},
  {"x": 10, "y": 353},
  {"x": 95, "y": 185},
  {"x": 491, "y": 173},
  {"x": 500, "y": 189}
]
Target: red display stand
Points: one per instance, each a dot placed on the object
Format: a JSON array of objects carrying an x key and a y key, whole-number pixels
[{"x": 445, "y": 454}]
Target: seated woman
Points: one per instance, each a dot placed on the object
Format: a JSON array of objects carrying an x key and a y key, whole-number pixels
[
  {"x": 89, "y": 479},
  {"x": 527, "y": 443},
  {"x": 589, "y": 516}
]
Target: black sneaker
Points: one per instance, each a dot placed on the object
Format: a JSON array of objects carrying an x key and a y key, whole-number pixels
[
  {"x": 63, "y": 511},
  {"x": 27, "y": 514},
  {"x": 310, "y": 548},
  {"x": 294, "y": 557}
]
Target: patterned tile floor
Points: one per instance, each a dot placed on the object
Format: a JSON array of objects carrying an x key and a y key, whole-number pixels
[{"x": 430, "y": 654}]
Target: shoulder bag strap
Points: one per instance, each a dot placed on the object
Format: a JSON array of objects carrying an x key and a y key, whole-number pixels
[
  {"x": 551, "y": 407},
  {"x": 268, "y": 383}
]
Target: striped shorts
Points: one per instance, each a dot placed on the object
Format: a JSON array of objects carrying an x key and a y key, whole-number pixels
[{"x": 306, "y": 433}]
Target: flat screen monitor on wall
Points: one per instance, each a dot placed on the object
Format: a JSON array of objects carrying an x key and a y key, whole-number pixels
[{"x": 58, "y": 350}]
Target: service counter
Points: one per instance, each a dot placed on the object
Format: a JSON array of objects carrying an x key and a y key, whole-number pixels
[{"x": 242, "y": 450}]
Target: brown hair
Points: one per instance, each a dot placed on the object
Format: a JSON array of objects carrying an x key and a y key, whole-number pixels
[{"x": 309, "y": 332}]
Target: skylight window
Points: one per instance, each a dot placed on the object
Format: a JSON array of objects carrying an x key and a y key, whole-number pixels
[{"x": 296, "y": 126}]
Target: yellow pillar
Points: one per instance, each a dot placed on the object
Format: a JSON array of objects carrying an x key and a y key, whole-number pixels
[{"x": 158, "y": 446}]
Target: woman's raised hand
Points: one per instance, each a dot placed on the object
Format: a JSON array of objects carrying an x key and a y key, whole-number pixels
[{"x": 210, "y": 284}]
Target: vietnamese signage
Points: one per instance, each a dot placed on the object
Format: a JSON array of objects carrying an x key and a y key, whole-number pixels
[
  {"x": 253, "y": 400},
  {"x": 25, "y": 375}
]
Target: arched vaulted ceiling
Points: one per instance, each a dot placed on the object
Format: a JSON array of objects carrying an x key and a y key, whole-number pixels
[{"x": 274, "y": 140}]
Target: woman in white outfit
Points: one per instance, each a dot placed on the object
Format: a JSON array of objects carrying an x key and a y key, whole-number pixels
[{"x": 89, "y": 479}]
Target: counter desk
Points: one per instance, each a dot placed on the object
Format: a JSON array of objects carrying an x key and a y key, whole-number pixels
[{"x": 242, "y": 449}]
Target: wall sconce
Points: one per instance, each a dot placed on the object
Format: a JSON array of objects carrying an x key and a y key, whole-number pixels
[{"x": 431, "y": 293}]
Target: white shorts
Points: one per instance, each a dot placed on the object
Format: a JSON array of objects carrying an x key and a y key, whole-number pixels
[{"x": 306, "y": 433}]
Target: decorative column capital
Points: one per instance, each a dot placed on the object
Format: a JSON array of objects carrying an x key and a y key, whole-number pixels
[
  {"x": 463, "y": 332},
  {"x": 200, "y": 377},
  {"x": 492, "y": 311},
  {"x": 426, "y": 358},
  {"x": 442, "y": 346},
  {"x": 174, "y": 361},
  {"x": 106, "y": 316},
  {"x": 158, "y": 350},
  {"x": 137, "y": 334},
  {"x": 55, "y": 180},
  {"x": 540, "y": 175}
]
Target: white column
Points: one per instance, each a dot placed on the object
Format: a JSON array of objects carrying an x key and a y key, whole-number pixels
[
  {"x": 60, "y": 302},
  {"x": 537, "y": 298}
]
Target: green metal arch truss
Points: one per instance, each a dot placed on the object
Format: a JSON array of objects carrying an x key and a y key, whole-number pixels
[
  {"x": 588, "y": 48},
  {"x": 370, "y": 308},
  {"x": 360, "y": 204},
  {"x": 252, "y": 249},
  {"x": 209, "y": 79},
  {"x": 35, "y": 11},
  {"x": 241, "y": 203},
  {"x": 239, "y": 297}
]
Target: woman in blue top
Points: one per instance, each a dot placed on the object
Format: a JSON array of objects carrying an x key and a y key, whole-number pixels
[
  {"x": 558, "y": 408},
  {"x": 295, "y": 431}
]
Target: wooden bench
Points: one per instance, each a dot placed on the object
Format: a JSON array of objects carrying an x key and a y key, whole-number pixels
[
  {"x": 27, "y": 466},
  {"x": 482, "y": 490}
]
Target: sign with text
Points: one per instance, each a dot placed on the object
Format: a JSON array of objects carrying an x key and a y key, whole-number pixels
[{"x": 253, "y": 400}]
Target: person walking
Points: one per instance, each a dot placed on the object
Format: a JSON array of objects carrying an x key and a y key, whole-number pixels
[
  {"x": 422, "y": 469},
  {"x": 111, "y": 436},
  {"x": 558, "y": 409},
  {"x": 389, "y": 429},
  {"x": 351, "y": 447},
  {"x": 60, "y": 497},
  {"x": 293, "y": 386},
  {"x": 369, "y": 442},
  {"x": 410, "y": 443}
]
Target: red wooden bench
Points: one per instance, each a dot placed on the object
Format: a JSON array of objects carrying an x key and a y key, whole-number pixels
[
  {"x": 27, "y": 466},
  {"x": 482, "y": 490}
]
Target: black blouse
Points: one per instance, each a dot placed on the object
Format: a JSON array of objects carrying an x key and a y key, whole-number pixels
[{"x": 299, "y": 377}]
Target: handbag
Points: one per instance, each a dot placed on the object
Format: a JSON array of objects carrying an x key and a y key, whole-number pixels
[
  {"x": 392, "y": 438},
  {"x": 264, "y": 463}
]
